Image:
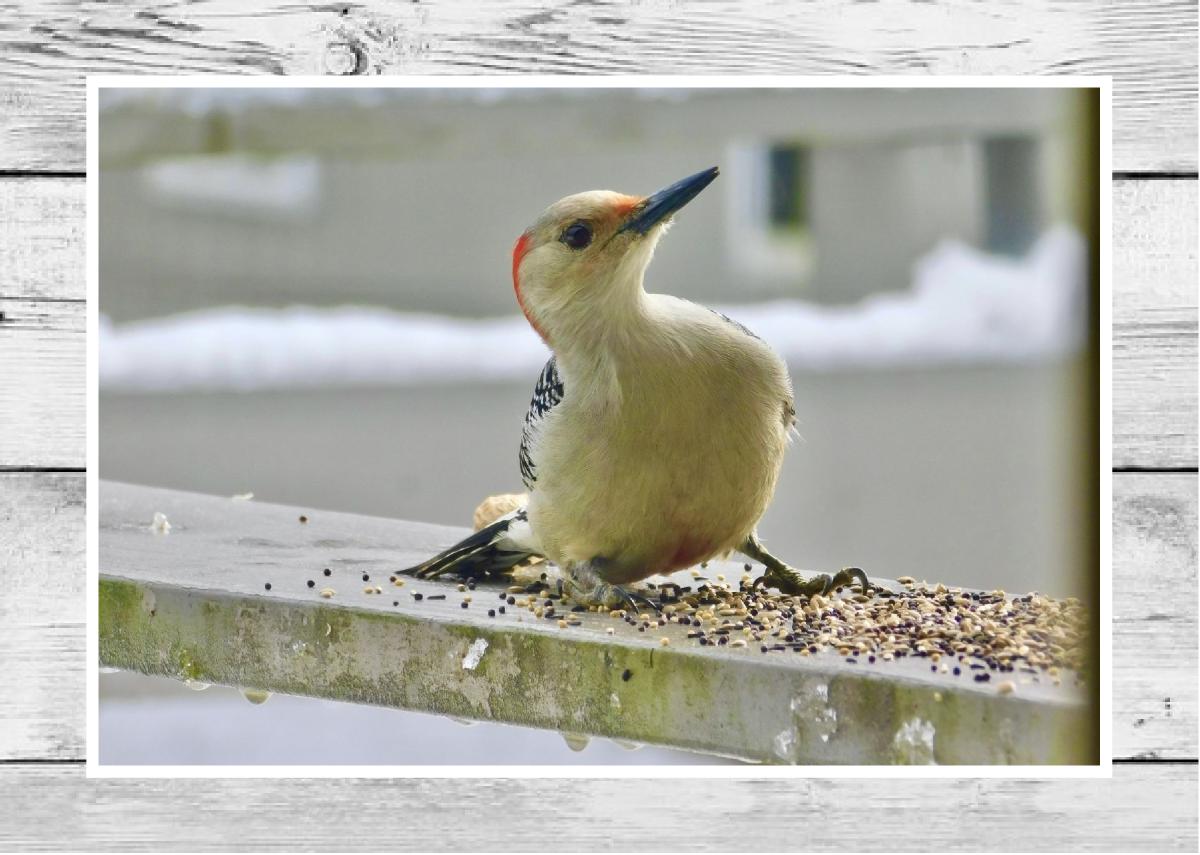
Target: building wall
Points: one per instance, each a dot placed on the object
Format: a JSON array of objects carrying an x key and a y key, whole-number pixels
[{"x": 418, "y": 201}]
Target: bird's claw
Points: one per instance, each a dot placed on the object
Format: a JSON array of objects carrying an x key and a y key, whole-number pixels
[
  {"x": 584, "y": 586},
  {"x": 634, "y": 599},
  {"x": 789, "y": 582},
  {"x": 612, "y": 597}
]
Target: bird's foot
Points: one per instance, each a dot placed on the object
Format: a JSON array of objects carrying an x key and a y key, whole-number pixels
[
  {"x": 584, "y": 585},
  {"x": 779, "y": 575},
  {"x": 789, "y": 582}
]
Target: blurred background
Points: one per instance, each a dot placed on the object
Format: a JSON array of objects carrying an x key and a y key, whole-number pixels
[{"x": 306, "y": 294}]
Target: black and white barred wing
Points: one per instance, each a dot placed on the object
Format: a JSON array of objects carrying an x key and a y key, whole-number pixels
[
  {"x": 546, "y": 395},
  {"x": 491, "y": 551}
]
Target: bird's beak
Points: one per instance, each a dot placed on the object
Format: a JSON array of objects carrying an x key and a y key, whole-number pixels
[{"x": 667, "y": 201}]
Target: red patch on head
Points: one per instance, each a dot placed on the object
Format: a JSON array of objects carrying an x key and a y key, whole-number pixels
[
  {"x": 519, "y": 250},
  {"x": 624, "y": 204}
]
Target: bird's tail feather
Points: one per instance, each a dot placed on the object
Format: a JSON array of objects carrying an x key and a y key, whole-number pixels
[{"x": 492, "y": 550}]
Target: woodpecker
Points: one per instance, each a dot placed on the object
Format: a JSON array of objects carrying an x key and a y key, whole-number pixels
[{"x": 656, "y": 431}]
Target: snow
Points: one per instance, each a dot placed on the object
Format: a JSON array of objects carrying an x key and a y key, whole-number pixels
[{"x": 964, "y": 306}]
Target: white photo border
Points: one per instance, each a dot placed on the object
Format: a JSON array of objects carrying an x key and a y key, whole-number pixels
[{"x": 94, "y": 769}]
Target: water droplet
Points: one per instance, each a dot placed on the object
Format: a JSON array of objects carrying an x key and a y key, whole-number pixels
[
  {"x": 913, "y": 743},
  {"x": 575, "y": 741},
  {"x": 196, "y": 685},
  {"x": 811, "y": 711},
  {"x": 256, "y": 696},
  {"x": 104, "y": 669},
  {"x": 785, "y": 744}
]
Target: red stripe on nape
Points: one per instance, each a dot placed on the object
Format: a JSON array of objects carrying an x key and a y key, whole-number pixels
[{"x": 519, "y": 249}]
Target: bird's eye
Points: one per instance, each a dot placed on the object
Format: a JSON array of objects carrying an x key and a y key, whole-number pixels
[{"x": 576, "y": 236}]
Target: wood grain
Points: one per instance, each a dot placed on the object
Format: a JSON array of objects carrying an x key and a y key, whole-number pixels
[
  {"x": 1147, "y": 46},
  {"x": 42, "y": 564},
  {"x": 1154, "y": 629},
  {"x": 1154, "y": 616},
  {"x": 1154, "y": 323},
  {"x": 42, "y": 238},
  {"x": 1144, "y": 807},
  {"x": 42, "y": 384},
  {"x": 1154, "y": 329}
]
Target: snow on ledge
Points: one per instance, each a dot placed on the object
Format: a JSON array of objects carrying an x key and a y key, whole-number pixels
[{"x": 964, "y": 307}]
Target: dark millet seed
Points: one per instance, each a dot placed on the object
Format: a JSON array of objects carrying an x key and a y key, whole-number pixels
[
  {"x": 626, "y": 674},
  {"x": 418, "y": 596},
  {"x": 366, "y": 577},
  {"x": 311, "y": 583},
  {"x": 267, "y": 586},
  {"x": 303, "y": 518},
  {"x": 464, "y": 604},
  {"x": 491, "y": 612},
  {"x": 328, "y": 572}
]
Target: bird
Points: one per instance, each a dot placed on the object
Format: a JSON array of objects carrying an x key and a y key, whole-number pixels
[{"x": 656, "y": 431}]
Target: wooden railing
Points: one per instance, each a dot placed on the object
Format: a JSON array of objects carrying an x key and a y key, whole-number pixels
[{"x": 274, "y": 598}]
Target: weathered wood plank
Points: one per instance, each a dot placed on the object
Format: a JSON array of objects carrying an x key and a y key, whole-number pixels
[
  {"x": 42, "y": 384},
  {"x": 1148, "y": 46},
  {"x": 171, "y": 602},
  {"x": 1154, "y": 276},
  {"x": 1144, "y": 807},
  {"x": 42, "y": 223},
  {"x": 1154, "y": 632},
  {"x": 42, "y": 565},
  {"x": 1154, "y": 323},
  {"x": 1154, "y": 615}
]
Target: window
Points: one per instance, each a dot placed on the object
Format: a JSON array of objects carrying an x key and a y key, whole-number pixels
[
  {"x": 787, "y": 183},
  {"x": 769, "y": 227},
  {"x": 1013, "y": 204}
]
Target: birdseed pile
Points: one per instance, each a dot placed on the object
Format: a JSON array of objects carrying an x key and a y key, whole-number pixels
[
  {"x": 972, "y": 634},
  {"x": 958, "y": 631},
  {"x": 964, "y": 633}
]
